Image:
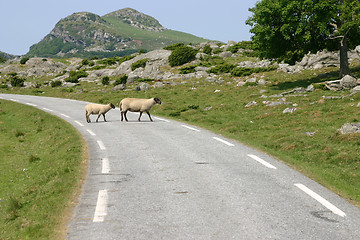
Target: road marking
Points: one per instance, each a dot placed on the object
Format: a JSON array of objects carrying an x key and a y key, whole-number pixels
[
  {"x": 79, "y": 123},
  {"x": 14, "y": 100},
  {"x": 191, "y": 128},
  {"x": 49, "y": 110},
  {"x": 91, "y": 132},
  {"x": 161, "y": 119},
  {"x": 321, "y": 200},
  {"x": 105, "y": 165},
  {"x": 101, "y": 145},
  {"x": 223, "y": 141},
  {"x": 101, "y": 206},
  {"x": 64, "y": 115},
  {"x": 265, "y": 163},
  {"x": 30, "y": 104}
]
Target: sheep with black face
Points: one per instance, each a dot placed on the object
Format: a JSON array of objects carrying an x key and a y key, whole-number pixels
[
  {"x": 99, "y": 109},
  {"x": 137, "y": 105}
]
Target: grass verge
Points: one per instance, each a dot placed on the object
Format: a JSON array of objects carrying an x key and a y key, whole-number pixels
[{"x": 42, "y": 164}]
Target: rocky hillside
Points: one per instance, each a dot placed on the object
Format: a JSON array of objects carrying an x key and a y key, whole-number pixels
[{"x": 118, "y": 33}]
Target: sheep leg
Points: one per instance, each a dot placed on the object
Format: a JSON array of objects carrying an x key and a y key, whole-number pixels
[
  {"x": 139, "y": 116},
  {"x": 149, "y": 115},
  {"x": 124, "y": 116},
  {"x": 104, "y": 117},
  {"x": 98, "y": 117},
  {"x": 87, "y": 117}
]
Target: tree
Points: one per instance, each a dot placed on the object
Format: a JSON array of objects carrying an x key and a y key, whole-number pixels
[{"x": 288, "y": 29}]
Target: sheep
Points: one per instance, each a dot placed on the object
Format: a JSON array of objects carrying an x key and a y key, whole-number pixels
[
  {"x": 99, "y": 109},
  {"x": 137, "y": 105}
]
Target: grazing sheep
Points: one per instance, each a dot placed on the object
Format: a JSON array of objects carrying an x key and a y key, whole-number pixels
[
  {"x": 99, "y": 109},
  {"x": 137, "y": 105}
]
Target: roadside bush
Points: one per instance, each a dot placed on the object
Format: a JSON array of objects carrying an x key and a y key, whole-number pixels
[
  {"x": 182, "y": 55},
  {"x": 139, "y": 63},
  {"x": 2, "y": 59},
  {"x": 105, "y": 80},
  {"x": 121, "y": 80}
]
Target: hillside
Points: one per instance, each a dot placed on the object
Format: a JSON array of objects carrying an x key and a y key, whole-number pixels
[
  {"x": 303, "y": 114},
  {"x": 118, "y": 33}
]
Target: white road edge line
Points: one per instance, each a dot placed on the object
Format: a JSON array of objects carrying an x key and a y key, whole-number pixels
[
  {"x": 321, "y": 200},
  {"x": 161, "y": 119},
  {"x": 14, "y": 100},
  {"x": 101, "y": 145},
  {"x": 79, "y": 123},
  {"x": 263, "y": 162},
  {"x": 101, "y": 206},
  {"x": 46, "y": 109},
  {"x": 91, "y": 132},
  {"x": 223, "y": 141},
  {"x": 105, "y": 166},
  {"x": 191, "y": 128},
  {"x": 64, "y": 115},
  {"x": 30, "y": 104}
]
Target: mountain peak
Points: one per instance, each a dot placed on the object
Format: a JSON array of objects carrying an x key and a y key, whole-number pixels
[{"x": 137, "y": 19}]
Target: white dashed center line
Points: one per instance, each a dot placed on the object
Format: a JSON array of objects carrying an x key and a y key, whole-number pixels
[
  {"x": 263, "y": 162},
  {"x": 91, "y": 132},
  {"x": 321, "y": 200},
  {"x": 101, "y": 206},
  {"x": 101, "y": 145},
  {"x": 105, "y": 166},
  {"x": 223, "y": 141}
]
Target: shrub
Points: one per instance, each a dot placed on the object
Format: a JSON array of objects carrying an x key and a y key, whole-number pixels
[
  {"x": 241, "y": 71},
  {"x": 222, "y": 68},
  {"x": 2, "y": 59},
  {"x": 17, "y": 81},
  {"x": 75, "y": 75},
  {"x": 174, "y": 46},
  {"x": 207, "y": 49},
  {"x": 139, "y": 63},
  {"x": 188, "y": 69},
  {"x": 105, "y": 80},
  {"x": 121, "y": 80},
  {"x": 182, "y": 55},
  {"x": 24, "y": 60},
  {"x": 56, "y": 83}
]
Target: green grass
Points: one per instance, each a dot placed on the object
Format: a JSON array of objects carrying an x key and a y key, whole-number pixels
[
  {"x": 328, "y": 157},
  {"x": 41, "y": 166}
]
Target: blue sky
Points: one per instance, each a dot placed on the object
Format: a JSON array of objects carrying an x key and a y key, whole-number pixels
[{"x": 25, "y": 22}]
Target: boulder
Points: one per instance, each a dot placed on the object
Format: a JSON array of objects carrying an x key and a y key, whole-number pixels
[
  {"x": 348, "y": 82},
  {"x": 350, "y": 128}
]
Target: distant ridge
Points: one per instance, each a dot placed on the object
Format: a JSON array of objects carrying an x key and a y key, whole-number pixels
[{"x": 118, "y": 33}]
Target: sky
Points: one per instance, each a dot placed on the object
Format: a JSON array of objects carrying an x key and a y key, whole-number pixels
[{"x": 26, "y": 22}]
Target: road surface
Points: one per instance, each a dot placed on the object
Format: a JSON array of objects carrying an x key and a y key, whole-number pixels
[{"x": 169, "y": 180}]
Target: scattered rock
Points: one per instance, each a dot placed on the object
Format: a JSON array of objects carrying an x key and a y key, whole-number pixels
[
  {"x": 309, "y": 133},
  {"x": 251, "y": 104},
  {"x": 208, "y": 108},
  {"x": 350, "y": 128},
  {"x": 119, "y": 87},
  {"x": 289, "y": 110}
]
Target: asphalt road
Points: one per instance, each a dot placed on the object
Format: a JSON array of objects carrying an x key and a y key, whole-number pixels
[{"x": 168, "y": 180}]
